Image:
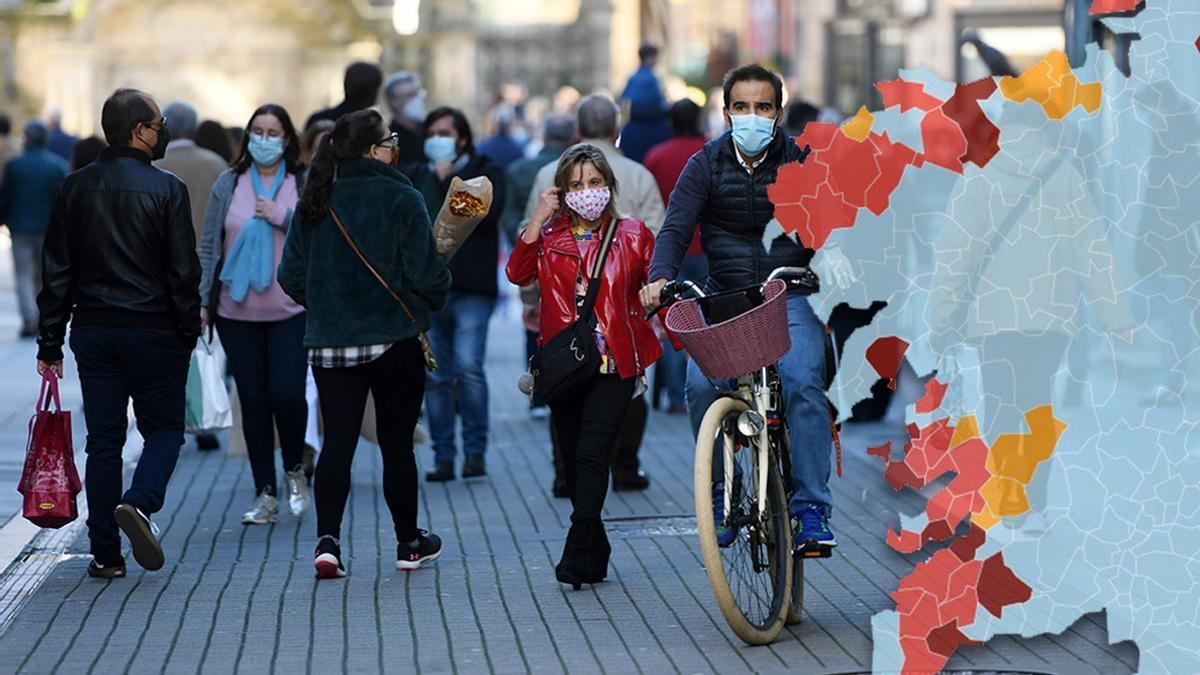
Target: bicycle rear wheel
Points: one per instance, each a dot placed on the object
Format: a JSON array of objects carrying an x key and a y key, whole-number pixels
[{"x": 751, "y": 578}]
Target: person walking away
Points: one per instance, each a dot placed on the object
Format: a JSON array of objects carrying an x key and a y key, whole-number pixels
[
  {"x": 262, "y": 329},
  {"x": 312, "y": 139},
  {"x": 724, "y": 189},
  {"x": 211, "y": 136},
  {"x": 506, "y": 145},
  {"x": 59, "y": 142},
  {"x": 30, "y": 182},
  {"x": 198, "y": 168},
  {"x": 647, "y": 126},
  {"x": 361, "y": 87},
  {"x": 666, "y": 161},
  {"x": 599, "y": 121},
  {"x": 458, "y": 388},
  {"x": 558, "y": 131},
  {"x": 86, "y": 151},
  {"x": 406, "y": 98},
  {"x": 361, "y": 259},
  {"x": 560, "y": 249},
  {"x": 135, "y": 316}
]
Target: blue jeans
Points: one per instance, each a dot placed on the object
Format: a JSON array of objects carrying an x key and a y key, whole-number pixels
[
  {"x": 802, "y": 373},
  {"x": 116, "y": 364},
  {"x": 458, "y": 388}
]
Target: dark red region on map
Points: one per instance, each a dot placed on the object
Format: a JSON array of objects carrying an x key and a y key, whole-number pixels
[
  {"x": 946, "y": 638},
  {"x": 885, "y": 355},
  {"x": 884, "y": 451},
  {"x": 999, "y": 586},
  {"x": 983, "y": 137}
]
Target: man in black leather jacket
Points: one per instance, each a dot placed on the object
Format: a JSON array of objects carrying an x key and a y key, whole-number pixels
[{"x": 120, "y": 265}]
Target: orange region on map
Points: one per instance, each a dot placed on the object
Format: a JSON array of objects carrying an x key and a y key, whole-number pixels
[
  {"x": 1051, "y": 84},
  {"x": 1113, "y": 6},
  {"x": 1012, "y": 461}
]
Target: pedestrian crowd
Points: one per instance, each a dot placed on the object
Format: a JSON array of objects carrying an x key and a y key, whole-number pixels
[{"x": 309, "y": 255}]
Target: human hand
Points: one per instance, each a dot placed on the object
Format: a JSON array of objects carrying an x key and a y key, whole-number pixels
[
  {"x": 54, "y": 366},
  {"x": 836, "y": 266},
  {"x": 264, "y": 208},
  {"x": 547, "y": 206},
  {"x": 651, "y": 295}
]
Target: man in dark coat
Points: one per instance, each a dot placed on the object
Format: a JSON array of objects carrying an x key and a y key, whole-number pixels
[{"x": 361, "y": 86}]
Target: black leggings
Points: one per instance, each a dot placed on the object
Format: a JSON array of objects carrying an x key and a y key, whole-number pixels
[
  {"x": 587, "y": 422},
  {"x": 397, "y": 381}
]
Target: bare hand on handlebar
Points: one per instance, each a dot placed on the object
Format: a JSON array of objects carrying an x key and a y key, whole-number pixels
[{"x": 651, "y": 295}]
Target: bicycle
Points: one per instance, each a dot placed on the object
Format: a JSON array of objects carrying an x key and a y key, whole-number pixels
[{"x": 758, "y": 582}]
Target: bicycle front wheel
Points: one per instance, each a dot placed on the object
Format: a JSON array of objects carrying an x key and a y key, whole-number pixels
[{"x": 752, "y": 577}]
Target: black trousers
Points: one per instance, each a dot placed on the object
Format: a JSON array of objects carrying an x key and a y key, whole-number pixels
[
  {"x": 116, "y": 364},
  {"x": 269, "y": 366},
  {"x": 397, "y": 381},
  {"x": 587, "y": 422}
]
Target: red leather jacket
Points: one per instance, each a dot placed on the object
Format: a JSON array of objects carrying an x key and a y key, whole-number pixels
[{"x": 553, "y": 261}]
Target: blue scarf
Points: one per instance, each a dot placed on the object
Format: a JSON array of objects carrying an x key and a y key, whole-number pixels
[{"x": 251, "y": 259}]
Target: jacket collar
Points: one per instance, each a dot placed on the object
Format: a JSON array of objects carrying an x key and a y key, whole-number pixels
[
  {"x": 370, "y": 167},
  {"x": 114, "y": 152}
]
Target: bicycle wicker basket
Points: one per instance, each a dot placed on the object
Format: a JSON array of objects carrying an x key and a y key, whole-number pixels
[{"x": 744, "y": 344}]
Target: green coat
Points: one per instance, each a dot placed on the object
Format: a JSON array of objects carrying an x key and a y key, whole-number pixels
[{"x": 388, "y": 220}]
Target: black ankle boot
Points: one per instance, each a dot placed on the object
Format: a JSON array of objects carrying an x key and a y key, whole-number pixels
[
  {"x": 600, "y": 552},
  {"x": 573, "y": 568}
]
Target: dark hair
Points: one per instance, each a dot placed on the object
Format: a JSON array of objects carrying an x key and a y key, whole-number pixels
[
  {"x": 461, "y": 125},
  {"x": 123, "y": 111},
  {"x": 315, "y": 133},
  {"x": 212, "y": 136},
  {"x": 577, "y": 155},
  {"x": 5, "y": 125},
  {"x": 291, "y": 140},
  {"x": 797, "y": 115},
  {"x": 361, "y": 83},
  {"x": 86, "y": 151},
  {"x": 752, "y": 73},
  {"x": 647, "y": 51},
  {"x": 685, "y": 117},
  {"x": 351, "y": 138}
]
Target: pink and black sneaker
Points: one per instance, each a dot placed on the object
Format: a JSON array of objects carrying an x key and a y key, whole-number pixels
[
  {"x": 419, "y": 552},
  {"x": 329, "y": 559}
]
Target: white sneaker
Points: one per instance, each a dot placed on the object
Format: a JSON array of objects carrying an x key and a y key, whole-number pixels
[
  {"x": 297, "y": 489},
  {"x": 264, "y": 510}
]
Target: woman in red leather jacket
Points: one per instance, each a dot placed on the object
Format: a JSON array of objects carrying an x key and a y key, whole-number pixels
[{"x": 558, "y": 249}]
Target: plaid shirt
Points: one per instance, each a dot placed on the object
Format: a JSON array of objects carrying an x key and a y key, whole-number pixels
[{"x": 345, "y": 357}]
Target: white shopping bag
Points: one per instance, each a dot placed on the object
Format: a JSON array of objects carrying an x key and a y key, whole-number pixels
[{"x": 208, "y": 408}]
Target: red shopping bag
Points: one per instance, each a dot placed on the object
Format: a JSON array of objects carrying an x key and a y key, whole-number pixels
[{"x": 49, "y": 481}]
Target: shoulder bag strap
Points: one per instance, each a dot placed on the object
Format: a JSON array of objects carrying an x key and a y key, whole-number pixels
[
  {"x": 589, "y": 301},
  {"x": 369, "y": 267}
]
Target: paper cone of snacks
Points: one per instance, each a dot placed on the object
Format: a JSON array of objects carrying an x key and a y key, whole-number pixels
[{"x": 467, "y": 203}]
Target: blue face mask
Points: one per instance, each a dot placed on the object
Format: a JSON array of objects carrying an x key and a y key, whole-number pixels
[
  {"x": 752, "y": 133},
  {"x": 265, "y": 150},
  {"x": 441, "y": 149}
]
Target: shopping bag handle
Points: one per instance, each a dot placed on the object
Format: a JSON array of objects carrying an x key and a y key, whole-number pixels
[{"x": 50, "y": 381}]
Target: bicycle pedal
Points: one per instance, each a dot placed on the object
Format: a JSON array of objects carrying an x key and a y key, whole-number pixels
[{"x": 815, "y": 550}]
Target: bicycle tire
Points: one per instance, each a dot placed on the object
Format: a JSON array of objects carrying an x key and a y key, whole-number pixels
[{"x": 750, "y": 630}]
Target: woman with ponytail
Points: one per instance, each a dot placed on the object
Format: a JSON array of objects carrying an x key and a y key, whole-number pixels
[
  {"x": 362, "y": 261},
  {"x": 261, "y": 328}
]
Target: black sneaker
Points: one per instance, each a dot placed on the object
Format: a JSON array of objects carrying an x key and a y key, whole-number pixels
[
  {"x": 474, "y": 467},
  {"x": 113, "y": 570},
  {"x": 329, "y": 559},
  {"x": 426, "y": 549},
  {"x": 143, "y": 536},
  {"x": 441, "y": 473}
]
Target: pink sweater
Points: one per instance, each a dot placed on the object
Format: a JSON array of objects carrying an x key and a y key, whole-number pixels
[{"x": 272, "y": 304}]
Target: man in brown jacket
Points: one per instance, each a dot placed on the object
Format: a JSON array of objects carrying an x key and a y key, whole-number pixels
[{"x": 196, "y": 167}]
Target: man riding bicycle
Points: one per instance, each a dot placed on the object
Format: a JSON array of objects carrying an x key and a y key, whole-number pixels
[{"x": 723, "y": 188}]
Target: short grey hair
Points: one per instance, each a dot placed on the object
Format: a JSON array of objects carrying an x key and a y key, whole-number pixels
[
  {"x": 182, "y": 120},
  {"x": 36, "y": 134},
  {"x": 599, "y": 117},
  {"x": 559, "y": 129},
  {"x": 400, "y": 77}
]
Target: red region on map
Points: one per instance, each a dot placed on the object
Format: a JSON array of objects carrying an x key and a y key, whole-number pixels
[
  {"x": 1113, "y": 6},
  {"x": 885, "y": 355}
]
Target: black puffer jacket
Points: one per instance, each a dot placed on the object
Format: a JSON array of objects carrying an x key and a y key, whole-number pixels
[
  {"x": 120, "y": 251},
  {"x": 732, "y": 209}
]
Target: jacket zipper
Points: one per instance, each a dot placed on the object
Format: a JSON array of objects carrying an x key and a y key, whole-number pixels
[{"x": 753, "y": 221}]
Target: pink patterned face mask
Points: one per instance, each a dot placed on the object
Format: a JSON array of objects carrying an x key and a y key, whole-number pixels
[{"x": 589, "y": 203}]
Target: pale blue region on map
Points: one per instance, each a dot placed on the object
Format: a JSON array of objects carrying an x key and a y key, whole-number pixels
[
  {"x": 934, "y": 85},
  {"x": 886, "y": 654},
  {"x": 901, "y": 127},
  {"x": 1114, "y": 520}
]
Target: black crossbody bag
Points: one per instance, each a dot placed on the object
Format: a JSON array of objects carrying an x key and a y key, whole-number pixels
[{"x": 571, "y": 356}]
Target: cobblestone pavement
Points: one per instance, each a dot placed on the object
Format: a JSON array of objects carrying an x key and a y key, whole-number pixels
[{"x": 234, "y": 598}]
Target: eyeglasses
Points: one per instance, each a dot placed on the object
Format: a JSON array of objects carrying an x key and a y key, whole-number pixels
[{"x": 389, "y": 141}]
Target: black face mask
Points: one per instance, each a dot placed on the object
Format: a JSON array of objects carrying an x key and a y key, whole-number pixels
[{"x": 160, "y": 147}]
